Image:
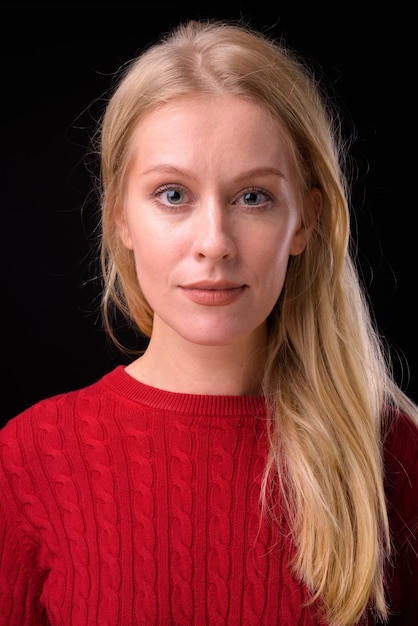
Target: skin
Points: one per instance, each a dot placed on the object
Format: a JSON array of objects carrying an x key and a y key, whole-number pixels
[{"x": 211, "y": 212}]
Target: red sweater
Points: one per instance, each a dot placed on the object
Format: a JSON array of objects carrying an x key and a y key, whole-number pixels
[{"x": 126, "y": 505}]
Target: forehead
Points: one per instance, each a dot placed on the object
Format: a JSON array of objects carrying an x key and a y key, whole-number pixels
[
  {"x": 212, "y": 107},
  {"x": 199, "y": 126}
]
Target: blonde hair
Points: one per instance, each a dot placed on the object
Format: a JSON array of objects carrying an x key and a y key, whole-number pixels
[{"x": 327, "y": 380}]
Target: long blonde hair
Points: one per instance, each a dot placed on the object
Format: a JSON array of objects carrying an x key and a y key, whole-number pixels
[{"x": 327, "y": 380}]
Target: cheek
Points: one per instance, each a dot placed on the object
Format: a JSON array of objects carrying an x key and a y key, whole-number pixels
[
  {"x": 272, "y": 268},
  {"x": 273, "y": 250},
  {"x": 154, "y": 260},
  {"x": 275, "y": 272},
  {"x": 148, "y": 262}
]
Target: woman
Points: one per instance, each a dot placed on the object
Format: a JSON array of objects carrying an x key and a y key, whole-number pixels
[{"x": 257, "y": 464}]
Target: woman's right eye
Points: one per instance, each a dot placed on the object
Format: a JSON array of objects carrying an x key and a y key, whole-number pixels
[{"x": 170, "y": 196}]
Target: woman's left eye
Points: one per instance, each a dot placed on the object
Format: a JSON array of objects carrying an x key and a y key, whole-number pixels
[{"x": 254, "y": 198}]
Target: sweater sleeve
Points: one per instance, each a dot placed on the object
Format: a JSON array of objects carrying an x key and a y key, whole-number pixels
[
  {"x": 401, "y": 478},
  {"x": 20, "y": 581},
  {"x": 19, "y": 593}
]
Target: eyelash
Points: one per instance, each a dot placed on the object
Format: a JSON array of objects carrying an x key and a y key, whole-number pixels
[{"x": 268, "y": 198}]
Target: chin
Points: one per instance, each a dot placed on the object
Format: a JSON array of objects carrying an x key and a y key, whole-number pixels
[{"x": 216, "y": 339}]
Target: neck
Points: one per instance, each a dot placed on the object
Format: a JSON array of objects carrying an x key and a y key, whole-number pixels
[{"x": 214, "y": 370}]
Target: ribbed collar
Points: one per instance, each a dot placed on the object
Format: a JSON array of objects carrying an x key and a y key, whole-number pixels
[{"x": 120, "y": 382}]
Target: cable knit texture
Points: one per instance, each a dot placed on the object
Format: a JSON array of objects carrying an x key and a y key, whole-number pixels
[{"x": 125, "y": 505}]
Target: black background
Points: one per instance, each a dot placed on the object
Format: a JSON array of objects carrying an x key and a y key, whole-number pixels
[{"x": 57, "y": 64}]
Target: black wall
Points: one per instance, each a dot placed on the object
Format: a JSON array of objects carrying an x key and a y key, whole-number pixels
[{"x": 57, "y": 62}]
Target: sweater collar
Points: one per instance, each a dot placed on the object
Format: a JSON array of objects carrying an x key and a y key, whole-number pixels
[{"x": 124, "y": 384}]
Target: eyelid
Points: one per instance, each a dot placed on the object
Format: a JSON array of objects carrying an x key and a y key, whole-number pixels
[{"x": 168, "y": 187}]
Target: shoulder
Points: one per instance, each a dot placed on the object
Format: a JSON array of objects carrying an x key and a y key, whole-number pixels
[
  {"x": 61, "y": 411},
  {"x": 401, "y": 487},
  {"x": 401, "y": 444},
  {"x": 43, "y": 445},
  {"x": 401, "y": 471}
]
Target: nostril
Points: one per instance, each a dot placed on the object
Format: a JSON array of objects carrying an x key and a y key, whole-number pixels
[{"x": 214, "y": 242}]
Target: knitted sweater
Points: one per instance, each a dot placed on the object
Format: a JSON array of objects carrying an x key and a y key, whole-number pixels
[{"x": 122, "y": 504}]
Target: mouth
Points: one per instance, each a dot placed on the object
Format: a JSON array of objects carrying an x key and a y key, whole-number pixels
[{"x": 214, "y": 294}]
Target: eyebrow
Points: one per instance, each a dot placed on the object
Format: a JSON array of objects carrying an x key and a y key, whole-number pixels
[
  {"x": 256, "y": 171},
  {"x": 261, "y": 171},
  {"x": 166, "y": 169}
]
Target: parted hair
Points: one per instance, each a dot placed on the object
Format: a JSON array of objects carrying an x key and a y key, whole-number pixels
[{"x": 327, "y": 380}]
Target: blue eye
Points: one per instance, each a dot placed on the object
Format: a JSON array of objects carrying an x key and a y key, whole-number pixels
[
  {"x": 253, "y": 198},
  {"x": 171, "y": 197},
  {"x": 174, "y": 196}
]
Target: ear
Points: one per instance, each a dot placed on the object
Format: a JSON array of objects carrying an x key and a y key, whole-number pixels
[
  {"x": 122, "y": 226},
  {"x": 312, "y": 211}
]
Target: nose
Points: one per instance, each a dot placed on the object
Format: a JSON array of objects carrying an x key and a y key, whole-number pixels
[{"x": 214, "y": 237}]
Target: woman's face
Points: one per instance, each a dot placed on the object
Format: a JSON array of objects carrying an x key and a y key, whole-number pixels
[{"x": 211, "y": 213}]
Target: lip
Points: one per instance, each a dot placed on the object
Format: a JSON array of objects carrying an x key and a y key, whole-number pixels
[{"x": 210, "y": 293}]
